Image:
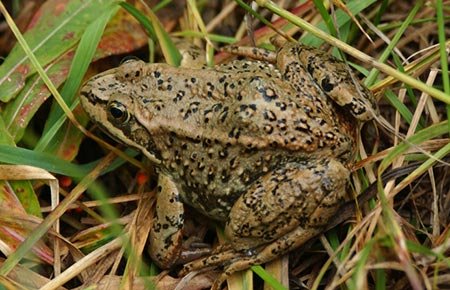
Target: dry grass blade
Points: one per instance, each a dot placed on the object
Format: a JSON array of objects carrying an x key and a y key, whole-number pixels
[
  {"x": 341, "y": 5},
  {"x": 22, "y": 172},
  {"x": 53, "y": 217},
  {"x": 82, "y": 264}
]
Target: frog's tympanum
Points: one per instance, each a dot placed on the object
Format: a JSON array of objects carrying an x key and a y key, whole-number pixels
[{"x": 262, "y": 146}]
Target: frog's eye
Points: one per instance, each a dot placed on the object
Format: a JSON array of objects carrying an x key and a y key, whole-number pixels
[
  {"x": 119, "y": 112},
  {"x": 129, "y": 59}
]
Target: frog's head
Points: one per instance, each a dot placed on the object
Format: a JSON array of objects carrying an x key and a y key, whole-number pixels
[{"x": 107, "y": 101}]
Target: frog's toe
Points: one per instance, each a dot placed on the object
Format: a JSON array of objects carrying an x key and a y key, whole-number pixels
[
  {"x": 231, "y": 260},
  {"x": 192, "y": 254},
  {"x": 278, "y": 40},
  {"x": 219, "y": 281},
  {"x": 212, "y": 260}
]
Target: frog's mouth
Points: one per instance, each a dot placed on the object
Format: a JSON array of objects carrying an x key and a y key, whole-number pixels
[{"x": 123, "y": 139}]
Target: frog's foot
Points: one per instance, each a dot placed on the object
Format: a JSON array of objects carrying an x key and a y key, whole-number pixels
[
  {"x": 218, "y": 258},
  {"x": 255, "y": 53},
  {"x": 272, "y": 251},
  {"x": 233, "y": 260}
]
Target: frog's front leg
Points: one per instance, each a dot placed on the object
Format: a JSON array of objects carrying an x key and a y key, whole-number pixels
[
  {"x": 166, "y": 235},
  {"x": 280, "y": 212}
]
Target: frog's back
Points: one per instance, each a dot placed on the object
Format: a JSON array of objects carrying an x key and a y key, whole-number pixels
[
  {"x": 249, "y": 104},
  {"x": 261, "y": 110}
]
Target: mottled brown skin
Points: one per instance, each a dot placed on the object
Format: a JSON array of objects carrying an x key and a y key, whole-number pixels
[{"x": 263, "y": 146}]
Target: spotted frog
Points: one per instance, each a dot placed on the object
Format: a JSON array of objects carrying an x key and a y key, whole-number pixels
[{"x": 263, "y": 146}]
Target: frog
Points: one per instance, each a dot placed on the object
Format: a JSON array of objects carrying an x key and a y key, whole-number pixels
[{"x": 262, "y": 145}]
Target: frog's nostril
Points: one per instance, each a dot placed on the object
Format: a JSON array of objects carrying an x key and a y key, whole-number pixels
[
  {"x": 89, "y": 96},
  {"x": 84, "y": 94}
]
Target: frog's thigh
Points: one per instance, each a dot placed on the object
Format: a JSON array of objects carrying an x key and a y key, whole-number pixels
[
  {"x": 286, "y": 209},
  {"x": 166, "y": 234},
  {"x": 296, "y": 198}
]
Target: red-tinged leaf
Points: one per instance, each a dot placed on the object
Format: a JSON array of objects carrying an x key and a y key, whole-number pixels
[
  {"x": 55, "y": 28},
  {"x": 27, "y": 197},
  {"x": 18, "y": 113},
  {"x": 123, "y": 34},
  {"x": 68, "y": 138},
  {"x": 16, "y": 224},
  {"x": 8, "y": 199}
]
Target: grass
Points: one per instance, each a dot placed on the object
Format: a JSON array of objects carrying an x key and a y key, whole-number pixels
[{"x": 398, "y": 240}]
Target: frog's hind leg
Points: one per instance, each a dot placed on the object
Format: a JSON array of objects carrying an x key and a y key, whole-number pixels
[
  {"x": 296, "y": 195},
  {"x": 238, "y": 260},
  {"x": 332, "y": 75},
  {"x": 280, "y": 212}
]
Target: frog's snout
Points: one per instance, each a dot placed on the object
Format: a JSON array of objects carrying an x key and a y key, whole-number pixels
[
  {"x": 87, "y": 100},
  {"x": 87, "y": 95}
]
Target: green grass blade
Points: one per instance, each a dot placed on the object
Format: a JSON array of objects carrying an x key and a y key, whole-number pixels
[
  {"x": 16, "y": 155},
  {"x": 274, "y": 283},
  {"x": 156, "y": 31},
  {"x": 443, "y": 50},
  {"x": 83, "y": 56},
  {"x": 341, "y": 19},
  {"x": 5, "y": 137},
  {"x": 49, "y": 162},
  {"x": 143, "y": 20},
  {"x": 399, "y": 106},
  {"x": 168, "y": 47},
  {"x": 326, "y": 17},
  {"x": 394, "y": 41},
  {"x": 420, "y": 249},
  {"x": 421, "y": 136},
  {"x": 356, "y": 282},
  {"x": 409, "y": 90}
]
